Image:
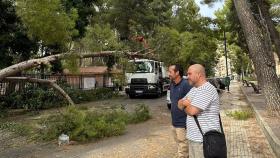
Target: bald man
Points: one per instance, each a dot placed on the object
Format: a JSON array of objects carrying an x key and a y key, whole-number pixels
[{"x": 202, "y": 101}]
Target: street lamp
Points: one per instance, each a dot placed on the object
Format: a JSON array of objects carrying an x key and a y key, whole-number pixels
[{"x": 225, "y": 44}]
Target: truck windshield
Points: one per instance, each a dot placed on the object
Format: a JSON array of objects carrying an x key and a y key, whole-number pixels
[{"x": 142, "y": 67}]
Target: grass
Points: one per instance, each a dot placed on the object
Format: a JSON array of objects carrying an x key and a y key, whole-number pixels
[
  {"x": 240, "y": 114},
  {"x": 17, "y": 128}
]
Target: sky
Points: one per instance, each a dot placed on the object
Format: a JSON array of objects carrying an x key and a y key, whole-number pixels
[{"x": 205, "y": 10}]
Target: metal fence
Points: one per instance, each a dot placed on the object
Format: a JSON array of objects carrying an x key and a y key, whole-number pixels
[{"x": 74, "y": 81}]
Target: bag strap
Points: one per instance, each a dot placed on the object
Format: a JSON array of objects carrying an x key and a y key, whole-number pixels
[
  {"x": 221, "y": 125},
  {"x": 197, "y": 123}
]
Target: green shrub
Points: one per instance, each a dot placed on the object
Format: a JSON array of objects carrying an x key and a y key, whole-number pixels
[
  {"x": 41, "y": 97},
  {"x": 140, "y": 114},
  {"x": 103, "y": 93},
  {"x": 241, "y": 114},
  {"x": 82, "y": 125},
  {"x": 34, "y": 98},
  {"x": 3, "y": 109},
  {"x": 80, "y": 96}
]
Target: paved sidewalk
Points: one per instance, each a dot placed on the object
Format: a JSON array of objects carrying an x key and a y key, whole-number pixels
[
  {"x": 270, "y": 125},
  {"x": 245, "y": 138}
]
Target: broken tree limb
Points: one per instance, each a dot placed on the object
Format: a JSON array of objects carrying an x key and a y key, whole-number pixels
[
  {"x": 25, "y": 65},
  {"x": 49, "y": 82},
  {"x": 14, "y": 69}
]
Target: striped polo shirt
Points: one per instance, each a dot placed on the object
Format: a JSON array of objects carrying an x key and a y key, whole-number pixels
[{"x": 205, "y": 98}]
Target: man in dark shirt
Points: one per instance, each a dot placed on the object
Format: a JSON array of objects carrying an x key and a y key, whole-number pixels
[{"x": 179, "y": 87}]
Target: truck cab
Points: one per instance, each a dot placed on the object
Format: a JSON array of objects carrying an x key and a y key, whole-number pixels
[{"x": 147, "y": 77}]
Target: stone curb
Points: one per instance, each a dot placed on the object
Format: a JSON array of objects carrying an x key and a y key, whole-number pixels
[{"x": 270, "y": 136}]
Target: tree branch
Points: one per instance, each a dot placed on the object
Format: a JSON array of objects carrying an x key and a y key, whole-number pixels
[{"x": 49, "y": 82}]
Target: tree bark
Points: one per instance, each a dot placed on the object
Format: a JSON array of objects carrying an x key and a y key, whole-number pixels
[
  {"x": 274, "y": 34},
  {"x": 263, "y": 66},
  {"x": 11, "y": 70},
  {"x": 49, "y": 82}
]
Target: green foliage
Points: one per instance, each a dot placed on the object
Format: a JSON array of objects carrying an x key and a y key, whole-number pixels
[
  {"x": 186, "y": 17},
  {"x": 85, "y": 9},
  {"x": 186, "y": 48},
  {"x": 17, "y": 128},
  {"x": 168, "y": 41},
  {"x": 240, "y": 114},
  {"x": 199, "y": 48},
  {"x": 34, "y": 98},
  {"x": 240, "y": 60},
  {"x": 70, "y": 62},
  {"x": 84, "y": 125},
  {"x": 3, "y": 109},
  {"x": 140, "y": 114},
  {"x": 132, "y": 17},
  {"x": 101, "y": 37},
  {"x": 47, "y": 20},
  {"x": 80, "y": 96},
  {"x": 228, "y": 21},
  {"x": 15, "y": 46},
  {"x": 40, "y": 97}
]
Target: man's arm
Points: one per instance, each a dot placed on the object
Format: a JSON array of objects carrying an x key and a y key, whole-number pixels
[{"x": 185, "y": 104}]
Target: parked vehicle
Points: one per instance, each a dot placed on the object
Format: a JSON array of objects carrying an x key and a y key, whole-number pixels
[{"x": 147, "y": 77}]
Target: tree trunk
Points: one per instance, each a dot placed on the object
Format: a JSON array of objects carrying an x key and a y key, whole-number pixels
[
  {"x": 49, "y": 82},
  {"x": 263, "y": 66},
  {"x": 274, "y": 34},
  {"x": 266, "y": 31},
  {"x": 11, "y": 70}
]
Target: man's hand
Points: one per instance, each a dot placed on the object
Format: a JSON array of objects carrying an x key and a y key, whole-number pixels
[
  {"x": 183, "y": 102},
  {"x": 180, "y": 104}
]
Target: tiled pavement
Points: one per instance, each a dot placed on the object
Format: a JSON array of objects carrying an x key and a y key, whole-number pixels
[{"x": 244, "y": 137}]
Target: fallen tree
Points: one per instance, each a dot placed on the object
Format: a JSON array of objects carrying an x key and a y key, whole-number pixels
[
  {"x": 48, "y": 82},
  {"x": 6, "y": 73},
  {"x": 25, "y": 65}
]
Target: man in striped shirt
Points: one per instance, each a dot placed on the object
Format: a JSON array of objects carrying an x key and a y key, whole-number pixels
[{"x": 202, "y": 101}]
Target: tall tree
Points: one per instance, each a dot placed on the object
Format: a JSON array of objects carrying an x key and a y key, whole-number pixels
[
  {"x": 15, "y": 46},
  {"x": 260, "y": 56},
  {"x": 100, "y": 37},
  {"x": 259, "y": 52},
  {"x": 47, "y": 21},
  {"x": 134, "y": 17},
  {"x": 268, "y": 24},
  {"x": 186, "y": 15},
  {"x": 186, "y": 48},
  {"x": 86, "y": 9}
]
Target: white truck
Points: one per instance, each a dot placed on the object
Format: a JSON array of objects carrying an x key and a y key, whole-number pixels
[{"x": 147, "y": 77}]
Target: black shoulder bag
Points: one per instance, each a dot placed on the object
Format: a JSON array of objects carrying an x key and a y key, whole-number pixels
[{"x": 214, "y": 142}]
